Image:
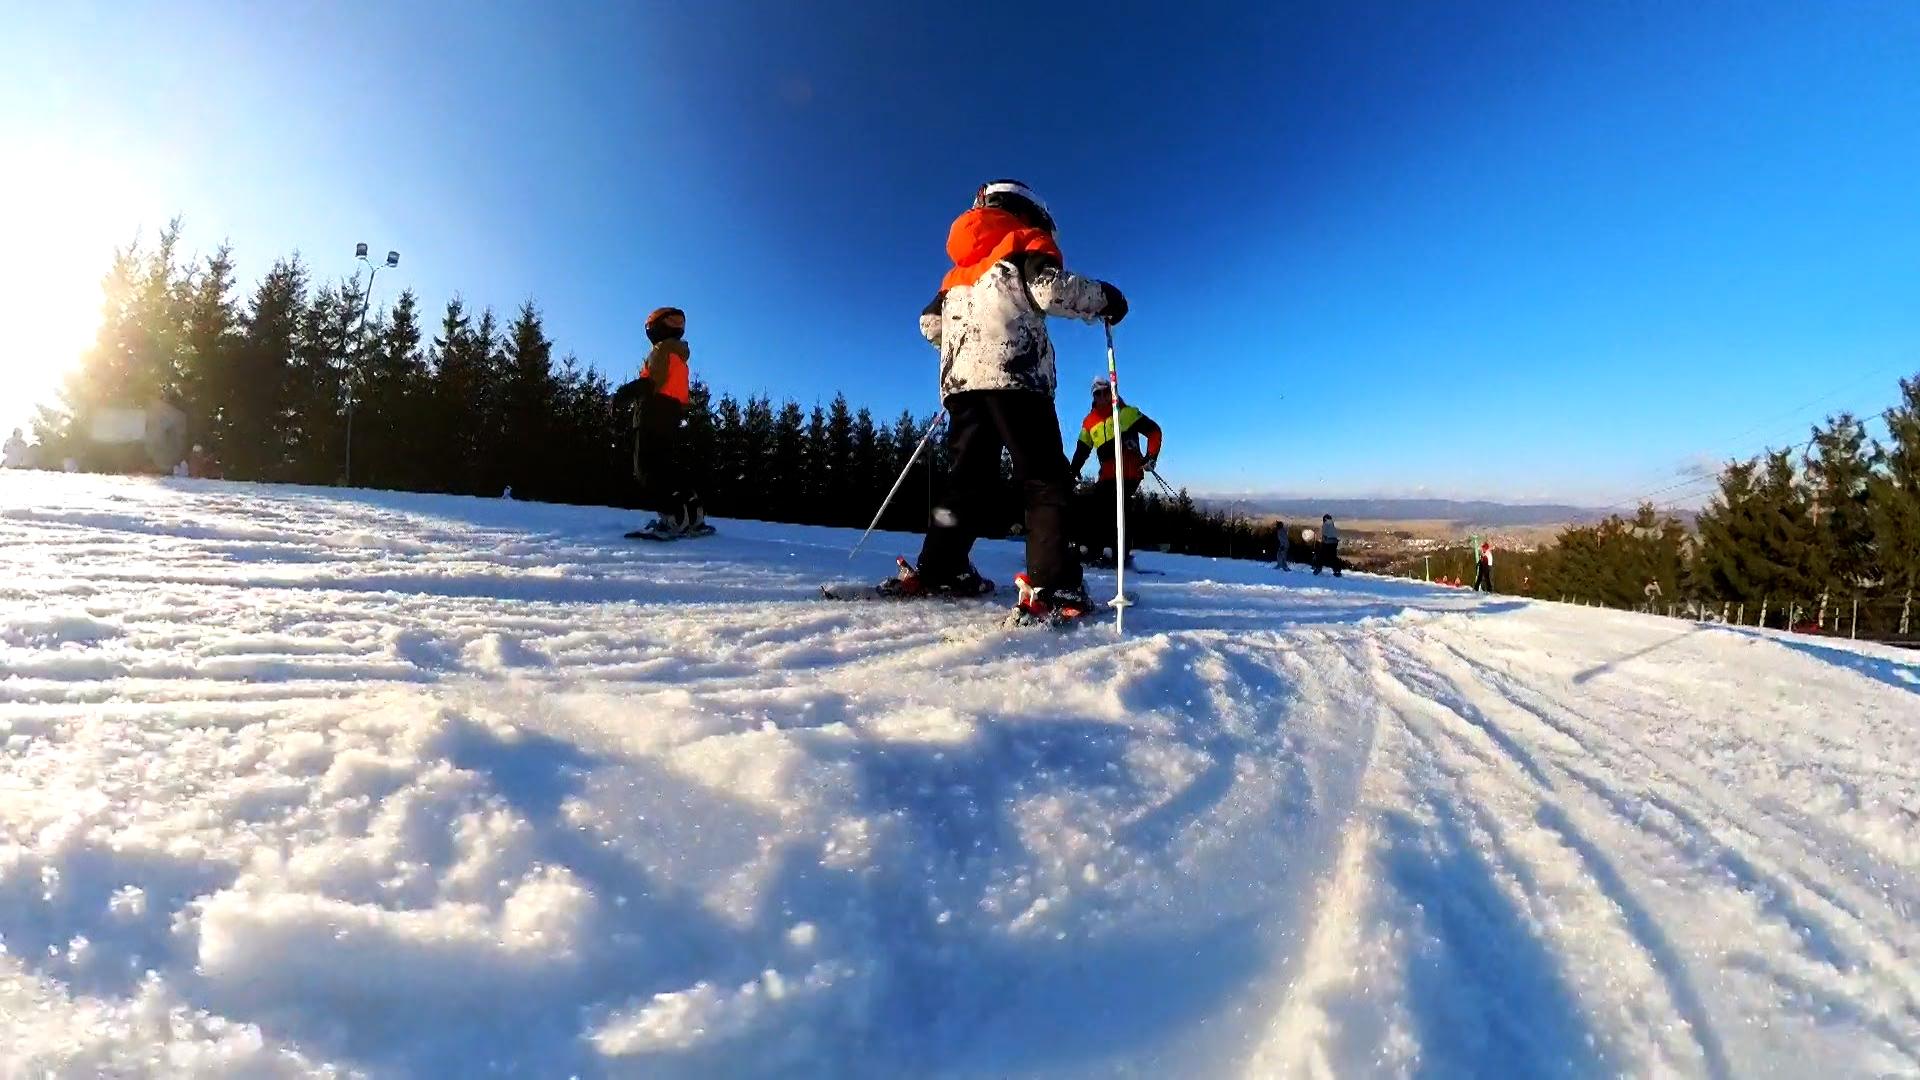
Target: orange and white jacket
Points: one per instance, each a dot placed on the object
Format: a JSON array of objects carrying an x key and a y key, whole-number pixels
[{"x": 989, "y": 318}]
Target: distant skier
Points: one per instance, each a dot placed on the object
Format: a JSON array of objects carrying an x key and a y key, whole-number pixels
[
  {"x": 661, "y": 395},
  {"x": 997, "y": 380},
  {"x": 1327, "y": 551},
  {"x": 1483, "y": 568},
  {"x": 1096, "y": 437},
  {"x": 17, "y": 454},
  {"x": 1280, "y": 545}
]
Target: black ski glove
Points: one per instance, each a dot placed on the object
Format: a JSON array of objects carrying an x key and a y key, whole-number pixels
[{"x": 1116, "y": 306}]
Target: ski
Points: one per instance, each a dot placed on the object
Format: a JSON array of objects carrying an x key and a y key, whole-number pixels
[
  {"x": 905, "y": 585},
  {"x": 863, "y": 591},
  {"x": 661, "y": 536}
]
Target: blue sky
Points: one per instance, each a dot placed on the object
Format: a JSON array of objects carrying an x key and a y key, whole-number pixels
[{"x": 1515, "y": 250}]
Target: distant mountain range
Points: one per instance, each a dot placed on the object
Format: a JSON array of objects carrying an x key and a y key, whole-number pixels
[{"x": 1471, "y": 512}]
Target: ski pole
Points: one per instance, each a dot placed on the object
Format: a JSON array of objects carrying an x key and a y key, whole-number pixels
[
  {"x": 1119, "y": 499},
  {"x": 895, "y": 490},
  {"x": 1164, "y": 486}
]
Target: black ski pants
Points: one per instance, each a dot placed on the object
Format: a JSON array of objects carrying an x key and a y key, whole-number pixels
[
  {"x": 1483, "y": 578},
  {"x": 657, "y": 456},
  {"x": 979, "y": 424},
  {"x": 1327, "y": 553}
]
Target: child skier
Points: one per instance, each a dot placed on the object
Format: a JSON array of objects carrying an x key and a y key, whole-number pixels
[
  {"x": 658, "y": 464},
  {"x": 997, "y": 382}
]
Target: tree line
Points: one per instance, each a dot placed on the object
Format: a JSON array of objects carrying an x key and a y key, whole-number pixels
[
  {"x": 1792, "y": 537},
  {"x": 273, "y": 381}
]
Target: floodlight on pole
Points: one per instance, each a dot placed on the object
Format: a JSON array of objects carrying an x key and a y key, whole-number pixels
[{"x": 366, "y": 301}]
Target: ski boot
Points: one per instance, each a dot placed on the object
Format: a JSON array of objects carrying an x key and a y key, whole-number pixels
[
  {"x": 909, "y": 583},
  {"x": 1049, "y": 607}
]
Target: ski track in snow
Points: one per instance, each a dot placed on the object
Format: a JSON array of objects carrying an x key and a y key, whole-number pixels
[{"x": 314, "y": 782}]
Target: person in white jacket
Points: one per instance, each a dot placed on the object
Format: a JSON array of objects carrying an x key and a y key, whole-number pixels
[
  {"x": 1483, "y": 568},
  {"x": 18, "y": 455},
  {"x": 997, "y": 380},
  {"x": 1327, "y": 551}
]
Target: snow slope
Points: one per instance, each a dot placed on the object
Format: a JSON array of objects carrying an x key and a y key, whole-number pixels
[{"x": 305, "y": 782}]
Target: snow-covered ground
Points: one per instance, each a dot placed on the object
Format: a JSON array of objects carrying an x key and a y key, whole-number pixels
[{"x": 304, "y": 781}]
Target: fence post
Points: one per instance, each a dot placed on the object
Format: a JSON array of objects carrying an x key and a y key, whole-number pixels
[
  {"x": 1742, "y": 620},
  {"x": 1906, "y": 608},
  {"x": 1726, "y": 609},
  {"x": 1763, "y": 610},
  {"x": 1853, "y": 628},
  {"x": 1823, "y": 610},
  {"x": 1793, "y": 616}
]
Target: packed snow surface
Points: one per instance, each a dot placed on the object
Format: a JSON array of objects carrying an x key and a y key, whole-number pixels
[{"x": 307, "y": 782}]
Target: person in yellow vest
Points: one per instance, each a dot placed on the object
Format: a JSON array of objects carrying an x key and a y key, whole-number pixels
[
  {"x": 1096, "y": 438},
  {"x": 659, "y": 462}
]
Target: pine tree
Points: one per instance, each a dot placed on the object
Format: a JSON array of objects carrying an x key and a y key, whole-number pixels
[
  {"x": 1790, "y": 534},
  {"x": 700, "y": 444},
  {"x": 756, "y": 489},
  {"x": 1895, "y": 507},
  {"x": 839, "y": 488},
  {"x": 211, "y": 334},
  {"x": 1757, "y": 539},
  {"x": 909, "y": 510},
  {"x": 785, "y": 468},
  {"x": 816, "y": 477},
  {"x": 455, "y": 391},
  {"x": 1728, "y": 565},
  {"x": 1837, "y": 471},
  {"x": 393, "y": 380},
  {"x": 139, "y": 353},
  {"x": 726, "y": 478},
  {"x": 251, "y": 399},
  {"x": 868, "y": 481},
  {"x": 522, "y": 454},
  {"x": 316, "y": 417},
  {"x": 579, "y": 450},
  {"x": 490, "y": 404},
  {"x": 356, "y": 337}
]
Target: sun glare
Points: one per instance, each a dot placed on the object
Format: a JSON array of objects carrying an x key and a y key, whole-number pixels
[{"x": 63, "y": 217}]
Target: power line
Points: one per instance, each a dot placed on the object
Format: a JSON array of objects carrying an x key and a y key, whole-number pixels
[
  {"x": 1865, "y": 419},
  {"x": 1796, "y": 449}
]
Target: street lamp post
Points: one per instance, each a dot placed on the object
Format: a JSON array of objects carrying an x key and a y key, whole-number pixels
[{"x": 366, "y": 301}]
